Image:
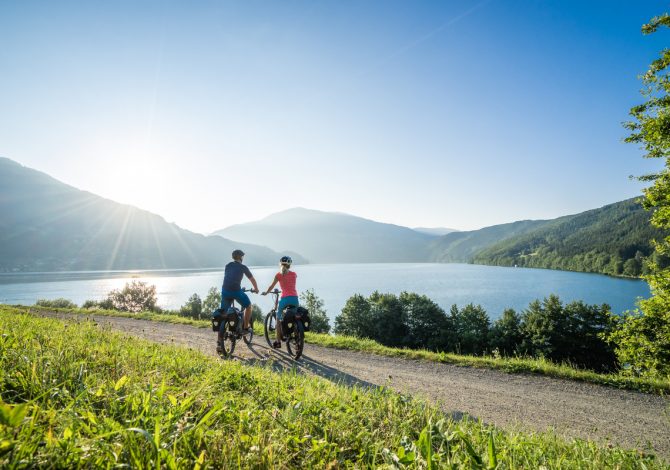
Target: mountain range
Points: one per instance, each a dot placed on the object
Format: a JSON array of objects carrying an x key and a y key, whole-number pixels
[
  {"x": 331, "y": 237},
  {"x": 47, "y": 225}
]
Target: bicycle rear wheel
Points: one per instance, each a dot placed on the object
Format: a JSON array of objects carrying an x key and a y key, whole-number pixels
[
  {"x": 296, "y": 340},
  {"x": 227, "y": 340},
  {"x": 270, "y": 327}
]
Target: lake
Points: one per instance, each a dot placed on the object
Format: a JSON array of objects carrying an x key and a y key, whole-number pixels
[{"x": 495, "y": 288}]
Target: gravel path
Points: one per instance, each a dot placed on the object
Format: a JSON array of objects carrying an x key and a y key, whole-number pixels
[{"x": 510, "y": 401}]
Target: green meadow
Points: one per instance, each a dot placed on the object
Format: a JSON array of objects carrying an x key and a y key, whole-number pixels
[
  {"x": 78, "y": 396},
  {"x": 507, "y": 364}
]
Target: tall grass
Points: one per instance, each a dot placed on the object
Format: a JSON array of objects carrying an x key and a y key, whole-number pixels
[
  {"x": 528, "y": 365},
  {"x": 72, "y": 395}
]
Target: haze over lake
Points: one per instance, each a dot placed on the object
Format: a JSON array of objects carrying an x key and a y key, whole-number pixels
[{"x": 495, "y": 288}]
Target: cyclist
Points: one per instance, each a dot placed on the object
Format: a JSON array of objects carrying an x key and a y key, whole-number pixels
[
  {"x": 232, "y": 288},
  {"x": 289, "y": 295}
]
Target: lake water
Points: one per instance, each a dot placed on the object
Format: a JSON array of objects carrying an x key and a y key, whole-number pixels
[{"x": 495, "y": 288}]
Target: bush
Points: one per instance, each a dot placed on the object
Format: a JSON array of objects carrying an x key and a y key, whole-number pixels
[
  {"x": 317, "y": 313},
  {"x": 136, "y": 296},
  {"x": 356, "y": 318},
  {"x": 56, "y": 303},
  {"x": 471, "y": 328},
  {"x": 505, "y": 334},
  {"x": 575, "y": 333},
  {"x": 212, "y": 301},
  {"x": 257, "y": 314},
  {"x": 192, "y": 308}
]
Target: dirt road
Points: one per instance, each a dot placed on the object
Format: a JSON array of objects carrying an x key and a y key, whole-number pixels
[{"x": 510, "y": 401}]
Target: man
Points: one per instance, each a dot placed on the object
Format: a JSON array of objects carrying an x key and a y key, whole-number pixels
[{"x": 232, "y": 288}]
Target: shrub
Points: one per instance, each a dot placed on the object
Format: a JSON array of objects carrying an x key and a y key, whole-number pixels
[
  {"x": 505, "y": 334},
  {"x": 471, "y": 327},
  {"x": 317, "y": 313},
  {"x": 192, "y": 308},
  {"x": 56, "y": 303},
  {"x": 212, "y": 301},
  {"x": 136, "y": 296}
]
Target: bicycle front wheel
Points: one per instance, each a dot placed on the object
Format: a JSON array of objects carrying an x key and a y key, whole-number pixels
[
  {"x": 249, "y": 337},
  {"x": 296, "y": 341},
  {"x": 270, "y": 327}
]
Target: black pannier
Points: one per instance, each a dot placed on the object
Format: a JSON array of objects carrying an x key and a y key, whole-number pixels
[
  {"x": 220, "y": 316},
  {"x": 304, "y": 313},
  {"x": 290, "y": 314}
]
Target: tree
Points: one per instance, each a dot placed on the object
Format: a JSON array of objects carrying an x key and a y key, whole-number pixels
[
  {"x": 136, "y": 296},
  {"x": 505, "y": 334},
  {"x": 356, "y": 318},
  {"x": 317, "y": 313},
  {"x": 212, "y": 301},
  {"x": 256, "y": 313},
  {"x": 426, "y": 322},
  {"x": 192, "y": 308},
  {"x": 643, "y": 339},
  {"x": 389, "y": 326},
  {"x": 471, "y": 324}
]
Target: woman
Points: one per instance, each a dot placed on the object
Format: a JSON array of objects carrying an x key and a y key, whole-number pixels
[{"x": 289, "y": 295}]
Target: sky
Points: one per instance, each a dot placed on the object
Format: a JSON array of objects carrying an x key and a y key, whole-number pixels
[{"x": 452, "y": 113}]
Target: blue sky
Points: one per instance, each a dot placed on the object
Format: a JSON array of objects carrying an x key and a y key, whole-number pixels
[{"x": 454, "y": 113}]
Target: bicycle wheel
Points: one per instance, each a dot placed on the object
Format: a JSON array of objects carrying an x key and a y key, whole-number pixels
[
  {"x": 226, "y": 343},
  {"x": 270, "y": 327},
  {"x": 249, "y": 337},
  {"x": 296, "y": 341}
]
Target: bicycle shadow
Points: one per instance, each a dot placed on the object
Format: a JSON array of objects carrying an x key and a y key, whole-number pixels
[{"x": 281, "y": 361}]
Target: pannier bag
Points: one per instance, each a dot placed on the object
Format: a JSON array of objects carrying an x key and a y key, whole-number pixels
[
  {"x": 290, "y": 313},
  {"x": 220, "y": 316},
  {"x": 217, "y": 318},
  {"x": 304, "y": 313}
]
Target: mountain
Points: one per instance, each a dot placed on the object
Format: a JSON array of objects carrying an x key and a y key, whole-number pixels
[
  {"x": 461, "y": 247},
  {"x": 47, "y": 225},
  {"x": 437, "y": 231},
  {"x": 613, "y": 239},
  {"x": 329, "y": 237}
]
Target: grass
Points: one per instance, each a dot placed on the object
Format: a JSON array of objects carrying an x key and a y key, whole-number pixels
[
  {"x": 76, "y": 396},
  {"x": 526, "y": 365}
]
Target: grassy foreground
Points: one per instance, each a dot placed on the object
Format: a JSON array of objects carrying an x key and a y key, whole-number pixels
[
  {"x": 75, "y": 396},
  {"x": 506, "y": 364}
]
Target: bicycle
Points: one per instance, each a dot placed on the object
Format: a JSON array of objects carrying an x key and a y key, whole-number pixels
[
  {"x": 229, "y": 326},
  {"x": 293, "y": 327}
]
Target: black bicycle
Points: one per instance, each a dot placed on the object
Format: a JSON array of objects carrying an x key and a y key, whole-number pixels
[
  {"x": 229, "y": 326},
  {"x": 294, "y": 325}
]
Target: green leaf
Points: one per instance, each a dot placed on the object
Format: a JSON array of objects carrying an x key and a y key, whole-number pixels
[
  {"x": 120, "y": 383},
  {"x": 493, "y": 458}
]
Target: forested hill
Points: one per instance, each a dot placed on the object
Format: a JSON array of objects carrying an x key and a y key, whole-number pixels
[
  {"x": 461, "y": 247},
  {"x": 613, "y": 239},
  {"x": 47, "y": 225}
]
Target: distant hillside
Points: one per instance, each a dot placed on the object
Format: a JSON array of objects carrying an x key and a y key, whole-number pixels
[
  {"x": 461, "y": 247},
  {"x": 437, "y": 231},
  {"x": 47, "y": 225},
  {"x": 612, "y": 240},
  {"x": 327, "y": 237}
]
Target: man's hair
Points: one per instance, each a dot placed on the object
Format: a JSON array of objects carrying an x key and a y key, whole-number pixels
[{"x": 237, "y": 254}]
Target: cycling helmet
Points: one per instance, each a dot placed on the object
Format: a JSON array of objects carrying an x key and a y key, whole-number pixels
[
  {"x": 238, "y": 254},
  {"x": 286, "y": 260}
]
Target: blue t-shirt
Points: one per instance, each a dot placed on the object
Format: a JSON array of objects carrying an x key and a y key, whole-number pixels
[{"x": 232, "y": 279}]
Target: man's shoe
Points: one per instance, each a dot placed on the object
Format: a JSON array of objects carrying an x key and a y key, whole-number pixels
[{"x": 276, "y": 345}]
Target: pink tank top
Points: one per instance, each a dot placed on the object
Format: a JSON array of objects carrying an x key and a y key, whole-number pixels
[{"x": 287, "y": 284}]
